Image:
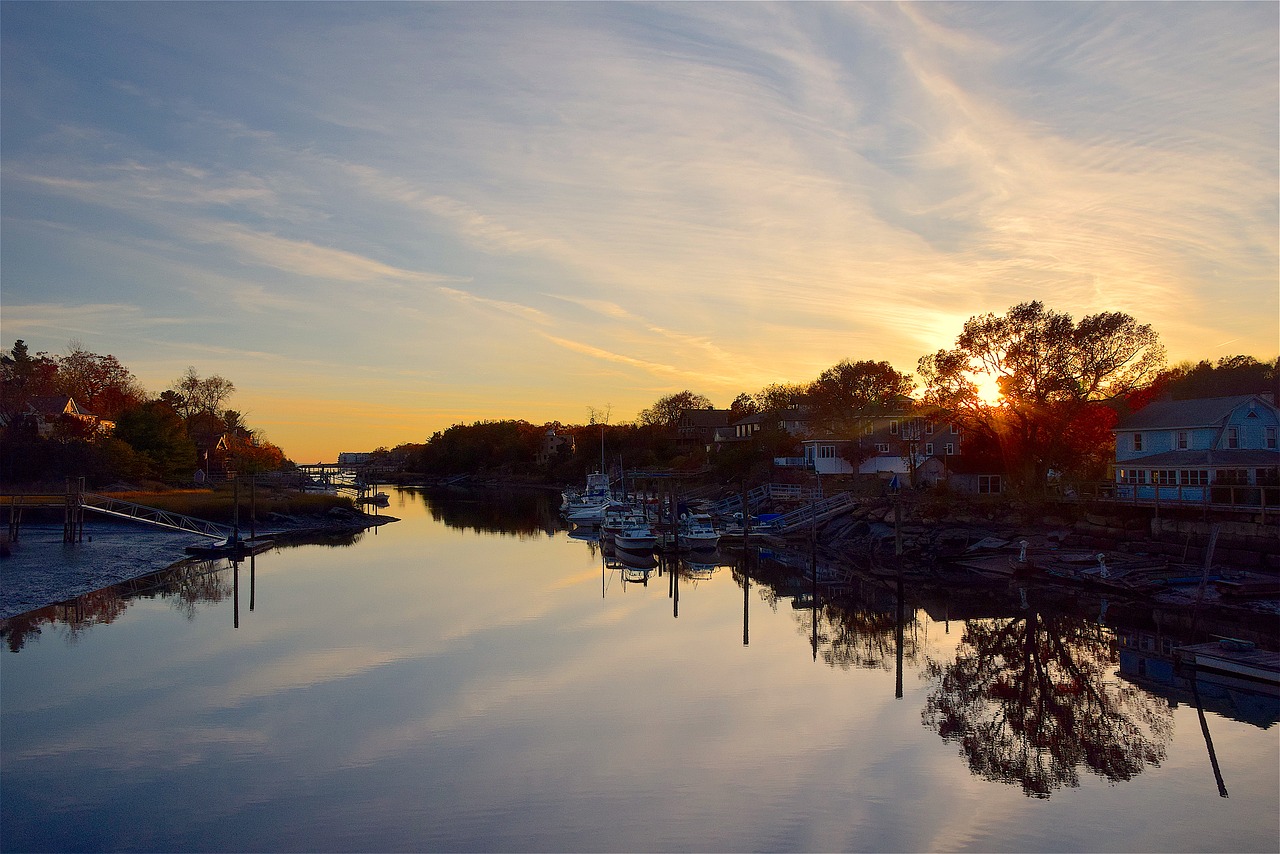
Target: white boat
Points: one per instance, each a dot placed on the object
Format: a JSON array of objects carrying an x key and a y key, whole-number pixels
[
  {"x": 636, "y": 535},
  {"x": 590, "y": 504},
  {"x": 592, "y": 514},
  {"x": 698, "y": 532}
]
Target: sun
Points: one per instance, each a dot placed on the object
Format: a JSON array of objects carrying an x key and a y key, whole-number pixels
[{"x": 988, "y": 389}]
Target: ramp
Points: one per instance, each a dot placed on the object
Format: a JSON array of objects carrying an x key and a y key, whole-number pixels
[
  {"x": 109, "y": 506},
  {"x": 811, "y": 514}
]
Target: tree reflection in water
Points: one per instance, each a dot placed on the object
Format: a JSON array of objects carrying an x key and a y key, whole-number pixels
[
  {"x": 1031, "y": 699},
  {"x": 524, "y": 513}
]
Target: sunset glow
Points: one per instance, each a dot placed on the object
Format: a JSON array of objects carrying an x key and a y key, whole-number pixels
[{"x": 382, "y": 219}]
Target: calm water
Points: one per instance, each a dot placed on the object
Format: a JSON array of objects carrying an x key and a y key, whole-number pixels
[{"x": 470, "y": 678}]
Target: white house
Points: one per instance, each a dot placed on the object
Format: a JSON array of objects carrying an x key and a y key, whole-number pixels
[{"x": 1217, "y": 450}]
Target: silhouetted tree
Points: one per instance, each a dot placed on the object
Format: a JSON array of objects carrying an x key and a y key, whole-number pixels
[{"x": 1050, "y": 372}]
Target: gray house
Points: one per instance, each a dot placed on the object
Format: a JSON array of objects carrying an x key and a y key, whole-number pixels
[{"x": 1220, "y": 450}]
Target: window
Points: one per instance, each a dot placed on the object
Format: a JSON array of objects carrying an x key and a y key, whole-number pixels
[
  {"x": 988, "y": 484},
  {"x": 1137, "y": 441},
  {"x": 1231, "y": 477},
  {"x": 1183, "y": 441},
  {"x": 871, "y": 428},
  {"x": 949, "y": 449},
  {"x": 827, "y": 452},
  {"x": 1193, "y": 477},
  {"x": 1135, "y": 476},
  {"x": 955, "y": 429},
  {"x": 882, "y": 447},
  {"x": 1271, "y": 437},
  {"x": 1164, "y": 477},
  {"x": 928, "y": 449},
  {"x": 1233, "y": 437},
  {"x": 928, "y": 428},
  {"x": 893, "y": 428}
]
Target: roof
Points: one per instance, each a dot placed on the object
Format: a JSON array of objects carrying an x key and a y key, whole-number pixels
[
  {"x": 1220, "y": 458},
  {"x": 1201, "y": 412},
  {"x": 704, "y": 418},
  {"x": 55, "y": 405}
]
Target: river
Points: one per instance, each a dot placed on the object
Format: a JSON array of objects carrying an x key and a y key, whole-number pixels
[{"x": 474, "y": 678}]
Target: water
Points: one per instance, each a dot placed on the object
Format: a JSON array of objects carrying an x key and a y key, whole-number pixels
[{"x": 473, "y": 679}]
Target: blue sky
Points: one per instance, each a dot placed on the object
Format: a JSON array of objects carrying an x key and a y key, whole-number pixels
[{"x": 382, "y": 219}]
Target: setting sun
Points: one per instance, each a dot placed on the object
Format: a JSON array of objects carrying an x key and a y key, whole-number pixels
[{"x": 988, "y": 389}]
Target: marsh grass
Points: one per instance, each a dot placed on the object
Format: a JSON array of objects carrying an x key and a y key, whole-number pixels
[{"x": 218, "y": 505}]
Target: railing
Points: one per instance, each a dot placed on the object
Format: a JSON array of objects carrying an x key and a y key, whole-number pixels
[
  {"x": 1216, "y": 496},
  {"x": 153, "y": 516},
  {"x": 815, "y": 512}
]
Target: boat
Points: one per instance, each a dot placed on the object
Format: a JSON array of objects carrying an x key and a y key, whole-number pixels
[
  {"x": 1233, "y": 657},
  {"x": 698, "y": 532},
  {"x": 635, "y": 535},
  {"x": 593, "y": 514}
]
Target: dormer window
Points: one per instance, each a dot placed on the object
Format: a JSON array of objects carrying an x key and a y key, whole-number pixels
[
  {"x": 1233, "y": 437},
  {"x": 1137, "y": 441}
]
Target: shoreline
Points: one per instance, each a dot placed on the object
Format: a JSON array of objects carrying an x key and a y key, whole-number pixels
[{"x": 41, "y": 570}]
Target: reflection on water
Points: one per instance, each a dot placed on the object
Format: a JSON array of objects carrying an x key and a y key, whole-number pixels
[
  {"x": 433, "y": 689},
  {"x": 1033, "y": 699},
  {"x": 185, "y": 586},
  {"x": 521, "y": 513}
]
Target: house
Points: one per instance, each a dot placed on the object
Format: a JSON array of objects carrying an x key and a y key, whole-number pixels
[
  {"x": 697, "y": 427},
  {"x": 794, "y": 421},
  {"x": 552, "y": 443},
  {"x": 1211, "y": 450},
  {"x": 885, "y": 444},
  {"x": 47, "y": 414}
]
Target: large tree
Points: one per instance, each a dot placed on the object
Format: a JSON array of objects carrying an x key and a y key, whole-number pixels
[
  {"x": 847, "y": 389},
  {"x": 99, "y": 383},
  {"x": 195, "y": 394},
  {"x": 1052, "y": 375},
  {"x": 157, "y": 434},
  {"x": 665, "y": 412}
]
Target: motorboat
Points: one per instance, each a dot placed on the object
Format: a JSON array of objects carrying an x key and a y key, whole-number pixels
[
  {"x": 698, "y": 532},
  {"x": 635, "y": 535}
]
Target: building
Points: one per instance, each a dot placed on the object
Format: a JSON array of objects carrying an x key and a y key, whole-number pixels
[
  {"x": 48, "y": 414},
  {"x": 697, "y": 427},
  {"x": 1218, "y": 450},
  {"x": 551, "y": 446}
]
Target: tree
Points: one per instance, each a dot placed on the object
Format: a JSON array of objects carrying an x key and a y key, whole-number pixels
[
  {"x": 742, "y": 406},
  {"x": 1231, "y": 375},
  {"x": 776, "y": 397},
  {"x": 99, "y": 383},
  {"x": 196, "y": 394},
  {"x": 1050, "y": 372},
  {"x": 847, "y": 389},
  {"x": 159, "y": 437},
  {"x": 665, "y": 412},
  {"x": 22, "y": 377}
]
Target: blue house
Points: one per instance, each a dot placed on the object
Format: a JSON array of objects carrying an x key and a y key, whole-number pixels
[{"x": 1218, "y": 450}]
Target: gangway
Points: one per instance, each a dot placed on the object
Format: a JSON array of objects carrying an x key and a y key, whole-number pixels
[
  {"x": 811, "y": 514},
  {"x": 774, "y": 491},
  {"x": 109, "y": 506}
]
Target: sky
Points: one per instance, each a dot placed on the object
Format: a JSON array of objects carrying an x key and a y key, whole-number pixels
[{"x": 379, "y": 220}]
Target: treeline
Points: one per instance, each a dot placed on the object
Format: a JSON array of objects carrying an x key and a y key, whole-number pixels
[
  {"x": 1033, "y": 391},
  {"x": 85, "y": 414}
]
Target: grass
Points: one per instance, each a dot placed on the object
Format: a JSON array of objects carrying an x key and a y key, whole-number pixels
[{"x": 219, "y": 505}]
